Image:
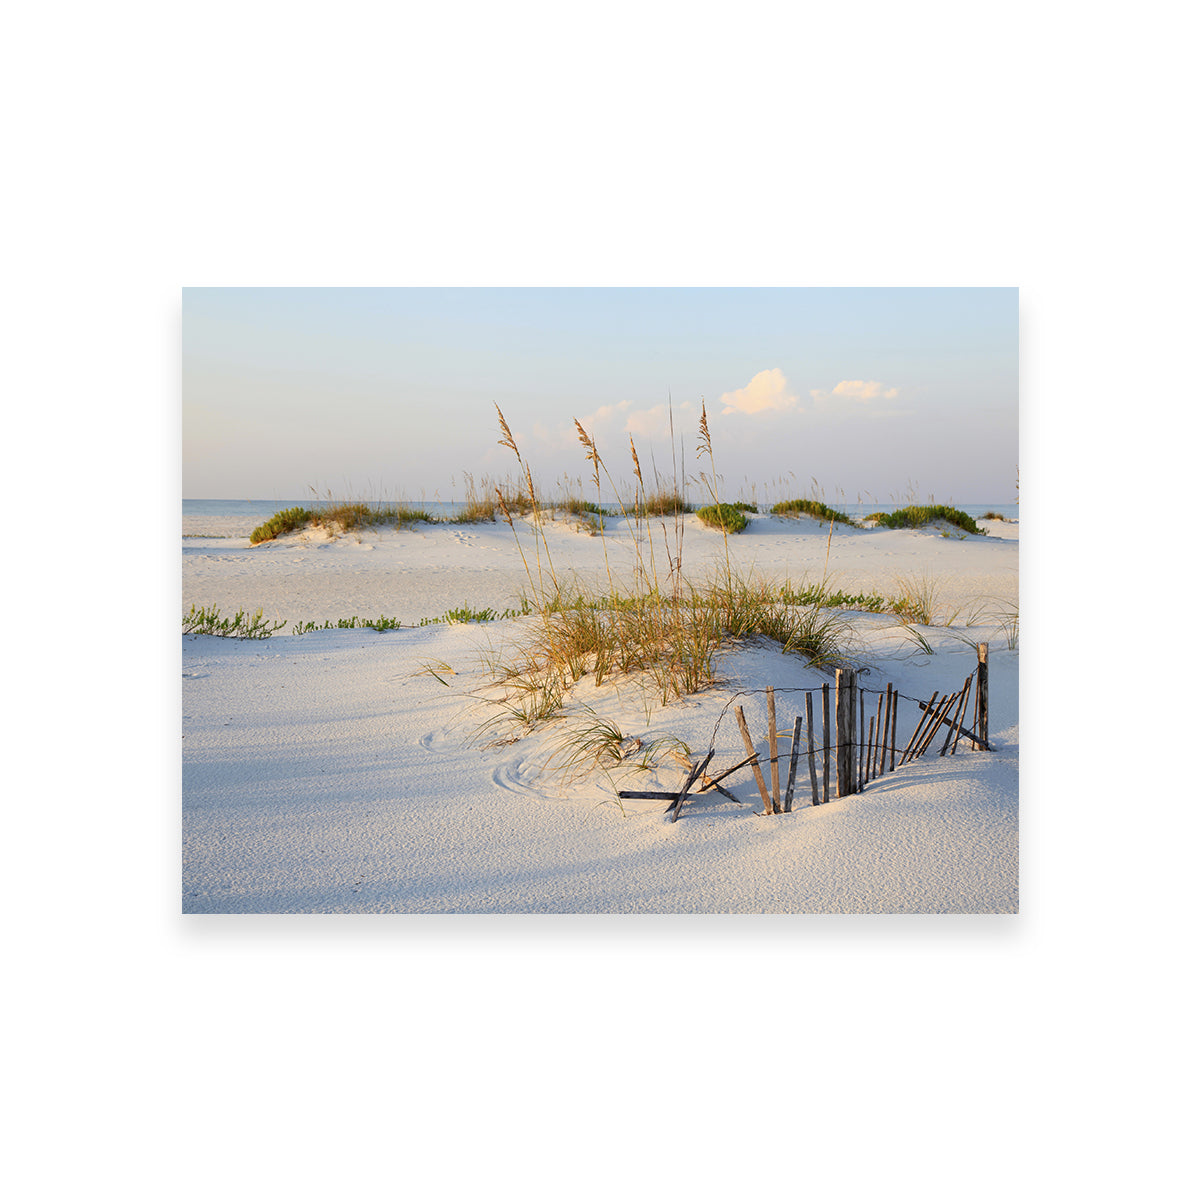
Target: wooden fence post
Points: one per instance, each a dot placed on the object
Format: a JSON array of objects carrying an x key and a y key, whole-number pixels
[
  {"x": 846, "y": 689},
  {"x": 773, "y": 746},
  {"x": 889, "y": 731},
  {"x": 981, "y": 692},
  {"x": 825, "y": 729},
  {"x": 812, "y": 754}
]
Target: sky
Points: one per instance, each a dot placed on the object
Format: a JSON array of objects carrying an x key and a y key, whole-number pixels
[{"x": 851, "y": 394}]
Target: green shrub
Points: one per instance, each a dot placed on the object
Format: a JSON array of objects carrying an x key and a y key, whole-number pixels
[
  {"x": 723, "y": 516},
  {"x": 917, "y": 515},
  {"x": 281, "y": 522},
  {"x": 811, "y": 508}
]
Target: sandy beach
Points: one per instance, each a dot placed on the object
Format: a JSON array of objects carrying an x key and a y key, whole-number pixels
[{"x": 345, "y": 771}]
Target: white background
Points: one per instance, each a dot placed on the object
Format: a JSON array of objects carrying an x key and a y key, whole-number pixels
[{"x": 154, "y": 147}]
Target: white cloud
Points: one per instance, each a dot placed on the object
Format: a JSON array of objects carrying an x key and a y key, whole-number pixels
[
  {"x": 860, "y": 390},
  {"x": 767, "y": 391}
]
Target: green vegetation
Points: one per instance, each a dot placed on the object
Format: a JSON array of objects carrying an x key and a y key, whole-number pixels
[
  {"x": 377, "y": 623},
  {"x": 811, "y": 508},
  {"x": 729, "y": 517},
  {"x": 210, "y": 621},
  {"x": 660, "y": 504},
  {"x": 281, "y": 522},
  {"x": 345, "y": 516},
  {"x": 917, "y": 515}
]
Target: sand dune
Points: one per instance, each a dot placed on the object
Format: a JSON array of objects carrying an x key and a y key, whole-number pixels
[{"x": 344, "y": 770}]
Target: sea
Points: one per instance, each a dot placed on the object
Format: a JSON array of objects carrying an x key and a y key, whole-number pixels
[{"x": 238, "y": 518}]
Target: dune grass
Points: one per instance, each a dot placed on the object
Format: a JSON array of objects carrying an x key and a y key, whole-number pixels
[
  {"x": 915, "y": 516},
  {"x": 661, "y": 631},
  {"x": 811, "y": 508},
  {"x": 344, "y": 516}
]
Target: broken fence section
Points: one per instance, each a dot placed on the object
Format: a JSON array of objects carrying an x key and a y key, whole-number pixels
[{"x": 860, "y": 747}]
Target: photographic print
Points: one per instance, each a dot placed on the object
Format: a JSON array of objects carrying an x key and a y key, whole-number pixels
[{"x": 600, "y": 600}]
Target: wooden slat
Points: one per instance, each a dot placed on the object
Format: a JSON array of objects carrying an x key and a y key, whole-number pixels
[
  {"x": 812, "y": 754},
  {"x": 791, "y": 783},
  {"x": 846, "y": 783},
  {"x": 887, "y": 729},
  {"x": 825, "y": 727},
  {"x": 936, "y": 722},
  {"x": 877, "y": 754},
  {"x": 958, "y": 712},
  {"x": 758, "y": 775},
  {"x": 862, "y": 733},
  {"x": 773, "y": 747},
  {"x": 925, "y": 713},
  {"x": 691, "y": 779},
  {"x": 965, "y": 733},
  {"x": 895, "y": 715}
]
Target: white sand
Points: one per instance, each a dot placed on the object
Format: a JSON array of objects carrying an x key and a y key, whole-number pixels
[{"x": 329, "y": 773}]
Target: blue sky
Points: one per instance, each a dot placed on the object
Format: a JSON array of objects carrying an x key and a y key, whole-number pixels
[{"x": 875, "y": 393}]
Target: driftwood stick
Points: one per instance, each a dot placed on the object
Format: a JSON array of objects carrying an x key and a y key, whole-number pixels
[
  {"x": 791, "y": 783},
  {"x": 758, "y": 775}
]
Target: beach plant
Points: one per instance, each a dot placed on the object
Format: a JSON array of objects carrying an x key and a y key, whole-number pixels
[
  {"x": 811, "y": 508},
  {"x": 285, "y": 521},
  {"x": 241, "y": 625},
  {"x": 379, "y": 624},
  {"x": 1010, "y": 624},
  {"x": 916, "y": 601},
  {"x": 916, "y": 516},
  {"x": 728, "y": 517},
  {"x": 918, "y": 639}
]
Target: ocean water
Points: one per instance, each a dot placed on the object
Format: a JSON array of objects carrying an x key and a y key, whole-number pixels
[{"x": 237, "y": 518}]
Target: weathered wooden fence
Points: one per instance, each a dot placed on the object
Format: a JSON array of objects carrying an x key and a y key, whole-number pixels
[{"x": 858, "y": 744}]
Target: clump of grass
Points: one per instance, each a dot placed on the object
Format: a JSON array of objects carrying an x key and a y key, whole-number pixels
[
  {"x": 240, "y": 625},
  {"x": 917, "y": 515},
  {"x": 663, "y": 638},
  {"x": 729, "y": 517},
  {"x": 351, "y": 515},
  {"x": 661, "y": 504},
  {"x": 285, "y": 521},
  {"x": 993, "y": 516},
  {"x": 811, "y": 508},
  {"x": 916, "y": 600}
]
